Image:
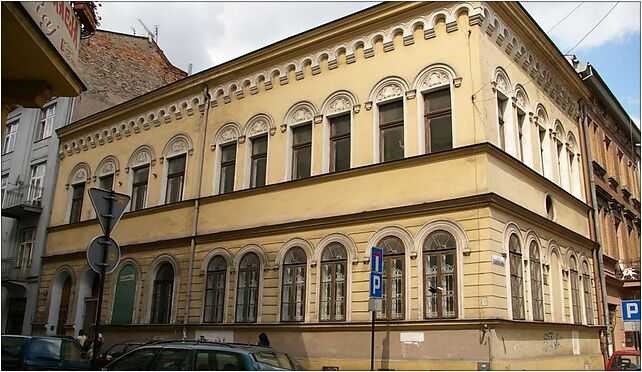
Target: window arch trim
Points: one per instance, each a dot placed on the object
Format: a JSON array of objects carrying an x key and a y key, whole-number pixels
[
  {"x": 340, "y": 102},
  {"x": 263, "y": 259},
  {"x": 510, "y": 230},
  {"x": 109, "y": 165},
  {"x": 178, "y": 145},
  {"x": 154, "y": 267},
  {"x": 116, "y": 274},
  {"x": 79, "y": 174},
  {"x": 141, "y": 156},
  {"x": 279, "y": 262}
]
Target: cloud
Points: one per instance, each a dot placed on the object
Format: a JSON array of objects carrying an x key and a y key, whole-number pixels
[{"x": 621, "y": 23}]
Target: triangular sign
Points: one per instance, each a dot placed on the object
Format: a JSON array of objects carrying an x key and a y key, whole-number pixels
[{"x": 101, "y": 200}]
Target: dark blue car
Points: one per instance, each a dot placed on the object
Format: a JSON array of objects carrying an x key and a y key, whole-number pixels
[{"x": 42, "y": 353}]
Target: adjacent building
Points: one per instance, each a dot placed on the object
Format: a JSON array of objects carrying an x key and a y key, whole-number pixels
[
  {"x": 614, "y": 141},
  {"x": 448, "y": 134},
  {"x": 107, "y": 62}
]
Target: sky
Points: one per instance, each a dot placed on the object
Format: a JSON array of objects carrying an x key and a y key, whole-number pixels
[{"x": 207, "y": 34}]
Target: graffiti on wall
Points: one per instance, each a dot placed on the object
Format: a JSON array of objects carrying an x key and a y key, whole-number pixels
[{"x": 551, "y": 341}]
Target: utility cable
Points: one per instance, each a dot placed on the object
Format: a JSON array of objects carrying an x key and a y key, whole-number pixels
[{"x": 594, "y": 27}]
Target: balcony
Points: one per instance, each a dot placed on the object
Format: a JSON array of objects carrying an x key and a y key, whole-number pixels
[
  {"x": 22, "y": 201},
  {"x": 14, "y": 269}
]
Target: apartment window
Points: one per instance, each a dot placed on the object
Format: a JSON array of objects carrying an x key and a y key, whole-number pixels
[
  {"x": 542, "y": 148},
  {"x": 333, "y": 283},
  {"x": 521, "y": 120},
  {"x": 215, "y": 290},
  {"x": 45, "y": 128},
  {"x": 293, "y": 286},
  {"x": 36, "y": 182},
  {"x": 78, "y": 193},
  {"x": 440, "y": 276},
  {"x": 139, "y": 189},
  {"x": 301, "y": 151},
  {"x": 340, "y": 143},
  {"x": 228, "y": 168},
  {"x": 259, "y": 161},
  {"x": 588, "y": 299},
  {"x": 10, "y": 137},
  {"x": 175, "y": 179},
  {"x": 502, "y": 104},
  {"x": 560, "y": 156},
  {"x": 25, "y": 251},
  {"x": 162, "y": 295},
  {"x": 5, "y": 184},
  {"x": 393, "y": 278},
  {"x": 516, "y": 277},
  {"x": 247, "y": 292},
  {"x": 391, "y": 131},
  {"x": 575, "y": 291},
  {"x": 106, "y": 182},
  {"x": 438, "y": 121},
  {"x": 536, "y": 282}
]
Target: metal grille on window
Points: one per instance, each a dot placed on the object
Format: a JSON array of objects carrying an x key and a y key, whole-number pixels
[
  {"x": 293, "y": 286},
  {"x": 516, "y": 277},
  {"x": 536, "y": 282},
  {"x": 440, "y": 276},
  {"x": 393, "y": 278},
  {"x": 215, "y": 290},
  {"x": 248, "y": 288},
  {"x": 333, "y": 283}
]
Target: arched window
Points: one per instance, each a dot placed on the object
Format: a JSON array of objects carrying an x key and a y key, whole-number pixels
[
  {"x": 63, "y": 310},
  {"x": 440, "y": 275},
  {"x": 516, "y": 277},
  {"x": 247, "y": 292},
  {"x": 215, "y": 290},
  {"x": 536, "y": 282},
  {"x": 575, "y": 290},
  {"x": 393, "y": 278},
  {"x": 588, "y": 299},
  {"x": 293, "y": 286},
  {"x": 332, "y": 305},
  {"x": 125, "y": 295},
  {"x": 162, "y": 295}
]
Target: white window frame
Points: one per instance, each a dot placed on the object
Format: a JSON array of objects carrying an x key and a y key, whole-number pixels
[
  {"x": 228, "y": 134},
  {"x": 337, "y": 104},
  {"x": 46, "y": 124},
  {"x": 11, "y": 137},
  {"x": 36, "y": 180},
  {"x": 385, "y": 91}
]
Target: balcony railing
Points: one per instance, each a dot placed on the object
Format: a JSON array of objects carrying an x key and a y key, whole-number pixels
[
  {"x": 21, "y": 199},
  {"x": 14, "y": 269}
]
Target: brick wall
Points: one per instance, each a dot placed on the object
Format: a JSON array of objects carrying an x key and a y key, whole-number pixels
[{"x": 117, "y": 67}]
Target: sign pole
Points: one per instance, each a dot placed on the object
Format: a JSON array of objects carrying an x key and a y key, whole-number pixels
[
  {"x": 108, "y": 217},
  {"x": 372, "y": 340}
]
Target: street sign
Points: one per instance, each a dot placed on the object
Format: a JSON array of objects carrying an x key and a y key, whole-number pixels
[
  {"x": 376, "y": 260},
  {"x": 375, "y": 304},
  {"x": 102, "y": 201},
  {"x": 95, "y": 254},
  {"x": 376, "y": 285},
  {"x": 631, "y": 310}
]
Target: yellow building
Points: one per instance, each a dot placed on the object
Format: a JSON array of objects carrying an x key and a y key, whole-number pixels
[{"x": 259, "y": 186}]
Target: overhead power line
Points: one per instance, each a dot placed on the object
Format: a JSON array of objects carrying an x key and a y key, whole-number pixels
[{"x": 594, "y": 27}]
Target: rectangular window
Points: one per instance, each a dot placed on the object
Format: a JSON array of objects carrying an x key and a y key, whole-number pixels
[
  {"x": 588, "y": 299},
  {"x": 340, "y": 143},
  {"x": 175, "y": 179},
  {"x": 438, "y": 121},
  {"x": 27, "y": 241},
  {"x": 5, "y": 184},
  {"x": 36, "y": 182},
  {"x": 501, "y": 112},
  {"x": 542, "y": 138},
  {"x": 47, "y": 116},
  {"x": 10, "y": 138},
  {"x": 301, "y": 151},
  {"x": 259, "y": 161},
  {"x": 106, "y": 182},
  {"x": 76, "y": 202},
  {"x": 560, "y": 148},
  {"x": 391, "y": 131},
  {"x": 228, "y": 167},
  {"x": 521, "y": 120},
  {"x": 139, "y": 189}
]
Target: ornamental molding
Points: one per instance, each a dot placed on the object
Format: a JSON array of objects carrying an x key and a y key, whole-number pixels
[
  {"x": 108, "y": 165},
  {"x": 178, "y": 145},
  {"x": 299, "y": 113},
  {"x": 388, "y": 89},
  {"x": 79, "y": 174},
  {"x": 434, "y": 76},
  {"x": 259, "y": 124},
  {"x": 141, "y": 156},
  {"x": 339, "y": 102},
  {"x": 228, "y": 133}
]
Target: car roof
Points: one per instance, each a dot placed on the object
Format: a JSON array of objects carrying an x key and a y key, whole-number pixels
[
  {"x": 209, "y": 344},
  {"x": 626, "y": 352},
  {"x": 40, "y": 337}
]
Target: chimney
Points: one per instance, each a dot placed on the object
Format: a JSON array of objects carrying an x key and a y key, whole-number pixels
[
  {"x": 189, "y": 70},
  {"x": 150, "y": 38}
]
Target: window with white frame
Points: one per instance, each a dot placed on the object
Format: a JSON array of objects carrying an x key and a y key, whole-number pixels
[
  {"x": 393, "y": 279},
  {"x": 10, "y": 137},
  {"x": 516, "y": 276},
  {"x": 25, "y": 250},
  {"x": 45, "y": 127},
  {"x": 37, "y": 181},
  {"x": 332, "y": 306},
  {"x": 391, "y": 131},
  {"x": 536, "y": 282},
  {"x": 301, "y": 151},
  {"x": 588, "y": 298},
  {"x": 5, "y": 185},
  {"x": 215, "y": 290},
  {"x": 293, "y": 285},
  {"x": 521, "y": 128},
  {"x": 440, "y": 275},
  {"x": 575, "y": 290},
  {"x": 247, "y": 290},
  {"x": 438, "y": 120}
]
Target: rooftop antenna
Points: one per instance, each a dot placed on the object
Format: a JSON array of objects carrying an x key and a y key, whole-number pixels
[
  {"x": 150, "y": 35},
  {"x": 133, "y": 30}
]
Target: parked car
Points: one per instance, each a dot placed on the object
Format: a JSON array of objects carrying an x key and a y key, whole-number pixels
[
  {"x": 41, "y": 352},
  {"x": 203, "y": 356},
  {"x": 115, "y": 351},
  {"x": 624, "y": 360}
]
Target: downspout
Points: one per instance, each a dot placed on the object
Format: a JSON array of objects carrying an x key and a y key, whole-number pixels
[
  {"x": 598, "y": 238},
  {"x": 199, "y": 177}
]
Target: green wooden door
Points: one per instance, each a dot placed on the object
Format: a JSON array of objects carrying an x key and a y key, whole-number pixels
[{"x": 125, "y": 295}]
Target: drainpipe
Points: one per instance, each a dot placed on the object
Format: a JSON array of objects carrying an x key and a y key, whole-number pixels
[
  {"x": 598, "y": 238},
  {"x": 199, "y": 176}
]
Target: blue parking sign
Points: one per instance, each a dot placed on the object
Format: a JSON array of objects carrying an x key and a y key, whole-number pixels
[
  {"x": 376, "y": 260},
  {"x": 631, "y": 310},
  {"x": 376, "y": 285}
]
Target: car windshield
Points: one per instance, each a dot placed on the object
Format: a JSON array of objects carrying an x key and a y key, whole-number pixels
[
  {"x": 626, "y": 362},
  {"x": 273, "y": 359},
  {"x": 42, "y": 348},
  {"x": 13, "y": 348}
]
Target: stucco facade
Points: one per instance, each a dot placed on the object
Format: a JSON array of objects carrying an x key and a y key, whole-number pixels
[{"x": 500, "y": 204}]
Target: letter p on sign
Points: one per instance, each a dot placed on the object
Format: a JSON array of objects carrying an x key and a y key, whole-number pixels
[{"x": 631, "y": 310}]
